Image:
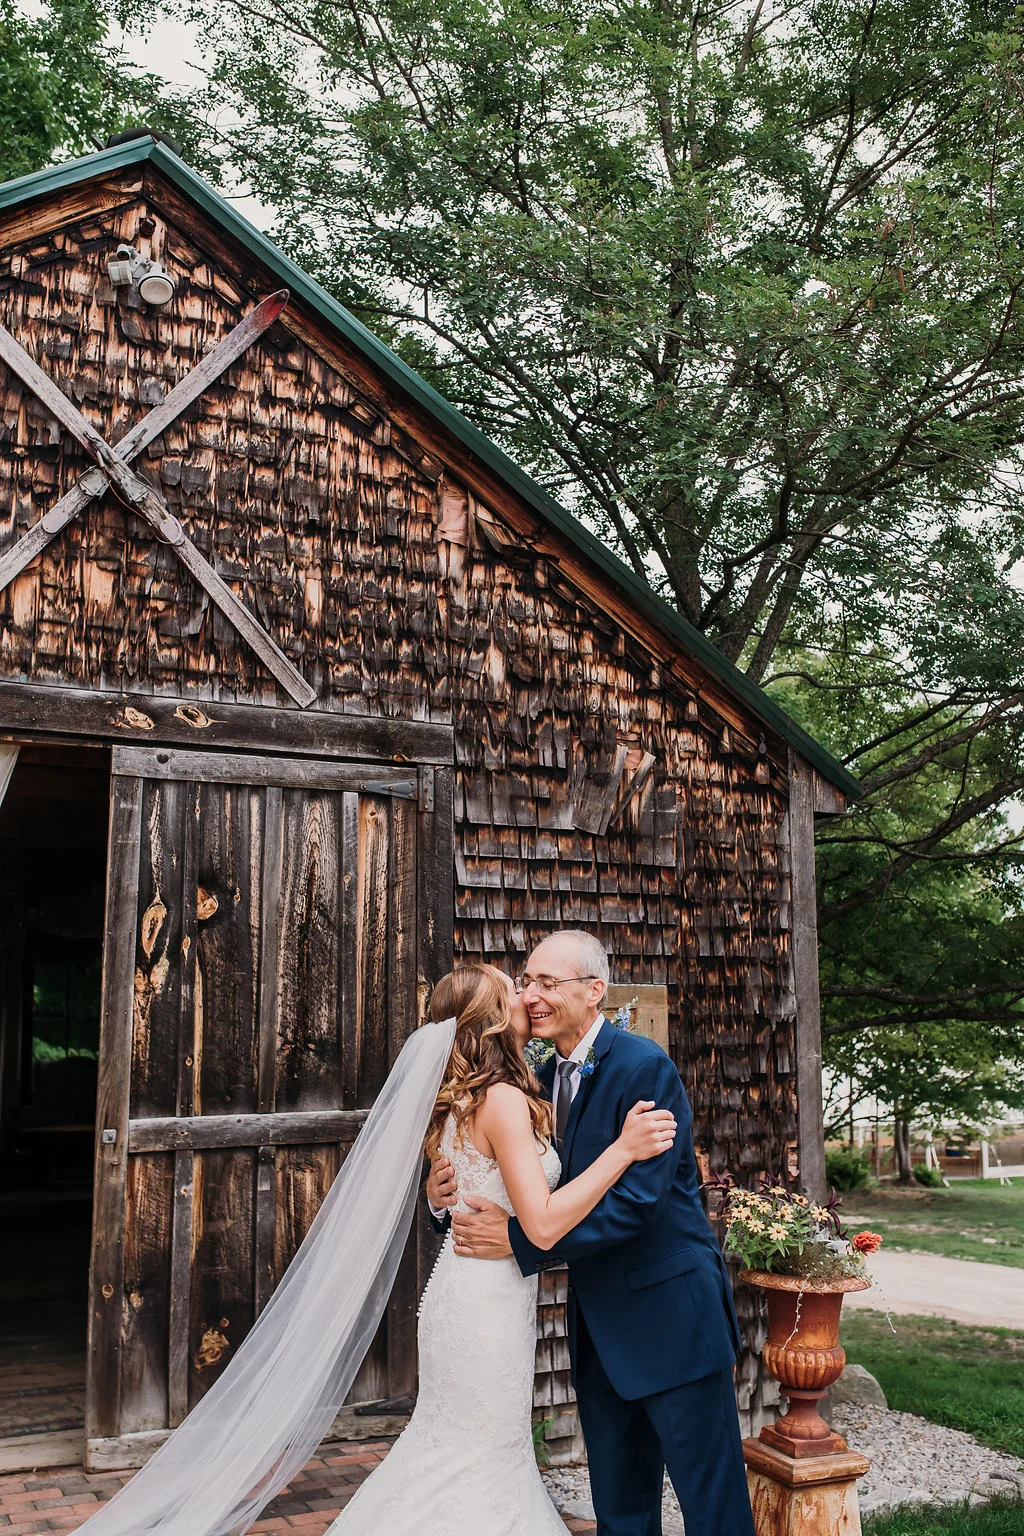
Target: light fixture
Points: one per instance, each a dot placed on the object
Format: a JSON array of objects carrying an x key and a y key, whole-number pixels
[
  {"x": 126, "y": 268},
  {"x": 121, "y": 268},
  {"x": 156, "y": 287}
]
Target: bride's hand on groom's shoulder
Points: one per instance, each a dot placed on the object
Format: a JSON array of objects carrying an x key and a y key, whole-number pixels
[
  {"x": 442, "y": 1187},
  {"x": 647, "y": 1131},
  {"x": 481, "y": 1233}
]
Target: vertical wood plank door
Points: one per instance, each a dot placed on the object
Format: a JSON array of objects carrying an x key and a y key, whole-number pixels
[{"x": 273, "y": 930}]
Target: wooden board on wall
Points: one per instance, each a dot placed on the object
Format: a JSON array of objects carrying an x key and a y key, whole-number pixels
[{"x": 650, "y": 1015}]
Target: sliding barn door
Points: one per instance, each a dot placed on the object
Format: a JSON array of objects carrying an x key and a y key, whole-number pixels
[{"x": 273, "y": 928}]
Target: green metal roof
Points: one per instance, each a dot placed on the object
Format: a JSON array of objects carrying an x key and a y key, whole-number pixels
[{"x": 682, "y": 634}]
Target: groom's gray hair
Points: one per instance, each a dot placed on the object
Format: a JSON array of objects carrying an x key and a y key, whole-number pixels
[{"x": 593, "y": 955}]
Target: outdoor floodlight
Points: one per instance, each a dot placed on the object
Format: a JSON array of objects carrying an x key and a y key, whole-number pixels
[
  {"x": 155, "y": 284},
  {"x": 156, "y": 287},
  {"x": 121, "y": 268}
]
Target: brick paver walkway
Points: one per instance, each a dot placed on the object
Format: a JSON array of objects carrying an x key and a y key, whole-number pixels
[{"x": 61, "y": 1499}]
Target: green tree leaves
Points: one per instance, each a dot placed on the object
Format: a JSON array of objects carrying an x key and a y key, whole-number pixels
[{"x": 63, "y": 87}]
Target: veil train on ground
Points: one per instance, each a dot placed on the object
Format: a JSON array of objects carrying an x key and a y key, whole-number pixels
[{"x": 269, "y": 1410}]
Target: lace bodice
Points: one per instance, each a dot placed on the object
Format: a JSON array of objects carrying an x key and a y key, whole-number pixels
[{"x": 479, "y": 1175}]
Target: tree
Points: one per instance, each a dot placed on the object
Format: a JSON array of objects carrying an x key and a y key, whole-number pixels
[
  {"x": 63, "y": 88},
  {"x": 952, "y": 1073},
  {"x": 922, "y": 935}
]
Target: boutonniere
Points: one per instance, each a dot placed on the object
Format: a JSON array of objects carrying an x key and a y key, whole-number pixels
[
  {"x": 588, "y": 1064},
  {"x": 538, "y": 1052}
]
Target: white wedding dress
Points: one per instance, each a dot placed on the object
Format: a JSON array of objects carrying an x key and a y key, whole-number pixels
[{"x": 465, "y": 1466}]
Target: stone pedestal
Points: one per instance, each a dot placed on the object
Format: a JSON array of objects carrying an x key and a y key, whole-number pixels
[{"x": 806, "y": 1495}]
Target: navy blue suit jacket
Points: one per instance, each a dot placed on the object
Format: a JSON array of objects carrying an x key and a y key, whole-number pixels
[{"x": 644, "y": 1267}]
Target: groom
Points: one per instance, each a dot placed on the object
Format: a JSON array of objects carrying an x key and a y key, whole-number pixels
[{"x": 652, "y": 1331}]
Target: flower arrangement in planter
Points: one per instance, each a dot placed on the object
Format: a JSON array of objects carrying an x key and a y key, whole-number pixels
[
  {"x": 774, "y": 1231},
  {"x": 799, "y": 1253}
]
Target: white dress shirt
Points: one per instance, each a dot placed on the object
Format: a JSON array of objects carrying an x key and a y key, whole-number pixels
[{"x": 579, "y": 1054}]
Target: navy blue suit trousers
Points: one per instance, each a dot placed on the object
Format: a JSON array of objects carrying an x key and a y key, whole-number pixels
[{"x": 653, "y": 1335}]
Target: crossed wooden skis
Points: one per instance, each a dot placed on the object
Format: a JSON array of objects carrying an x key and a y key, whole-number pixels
[{"x": 112, "y": 472}]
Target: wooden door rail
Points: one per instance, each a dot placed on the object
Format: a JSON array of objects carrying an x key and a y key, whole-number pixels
[
  {"x": 235, "y": 768},
  {"x": 199, "y": 1132}
]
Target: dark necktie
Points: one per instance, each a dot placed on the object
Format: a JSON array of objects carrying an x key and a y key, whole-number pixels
[{"x": 564, "y": 1101}]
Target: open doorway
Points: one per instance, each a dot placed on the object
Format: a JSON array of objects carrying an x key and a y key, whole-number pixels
[{"x": 53, "y": 836}]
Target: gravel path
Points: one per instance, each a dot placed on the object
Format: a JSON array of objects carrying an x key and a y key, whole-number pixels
[
  {"x": 915, "y": 1462},
  {"x": 912, "y": 1461},
  {"x": 569, "y": 1488},
  {"x": 985, "y": 1295}
]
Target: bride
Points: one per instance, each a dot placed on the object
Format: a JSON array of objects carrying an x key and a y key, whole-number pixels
[{"x": 466, "y": 1464}]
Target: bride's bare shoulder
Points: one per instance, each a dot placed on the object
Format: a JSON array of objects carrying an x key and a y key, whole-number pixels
[{"x": 505, "y": 1103}]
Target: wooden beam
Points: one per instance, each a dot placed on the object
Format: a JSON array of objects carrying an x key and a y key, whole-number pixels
[
  {"x": 168, "y": 1133},
  {"x": 828, "y": 799},
  {"x": 265, "y": 1200},
  {"x": 180, "y": 1305},
  {"x": 435, "y": 942},
  {"x": 234, "y": 768},
  {"x": 349, "y": 1040},
  {"x": 27, "y": 710},
  {"x": 238, "y": 340},
  {"x": 265, "y": 1194},
  {"x": 649, "y": 1017},
  {"x": 106, "y": 1453},
  {"x": 106, "y": 1273},
  {"x": 804, "y": 943},
  {"x": 93, "y": 483},
  {"x": 143, "y": 499},
  {"x": 90, "y": 200}
]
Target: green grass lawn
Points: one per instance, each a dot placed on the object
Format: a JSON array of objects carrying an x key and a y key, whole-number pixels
[
  {"x": 966, "y": 1378},
  {"x": 974, "y": 1219},
  {"x": 1002, "y": 1519}
]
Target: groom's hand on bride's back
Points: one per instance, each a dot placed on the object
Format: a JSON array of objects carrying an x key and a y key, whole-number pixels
[
  {"x": 442, "y": 1186},
  {"x": 481, "y": 1233}
]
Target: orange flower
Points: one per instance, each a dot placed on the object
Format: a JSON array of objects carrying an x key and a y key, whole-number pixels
[{"x": 867, "y": 1242}]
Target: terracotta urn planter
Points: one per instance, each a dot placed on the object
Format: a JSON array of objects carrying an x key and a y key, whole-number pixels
[{"x": 804, "y": 1355}]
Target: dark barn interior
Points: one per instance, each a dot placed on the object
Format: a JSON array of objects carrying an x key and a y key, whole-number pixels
[{"x": 53, "y": 835}]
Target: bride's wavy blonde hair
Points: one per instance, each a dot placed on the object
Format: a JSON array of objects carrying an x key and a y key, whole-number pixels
[{"x": 486, "y": 1051}]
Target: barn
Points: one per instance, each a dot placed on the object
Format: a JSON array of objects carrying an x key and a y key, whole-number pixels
[{"x": 306, "y": 689}]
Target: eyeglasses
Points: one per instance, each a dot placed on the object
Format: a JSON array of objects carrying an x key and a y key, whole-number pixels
[{"x": 547, "y": 983}]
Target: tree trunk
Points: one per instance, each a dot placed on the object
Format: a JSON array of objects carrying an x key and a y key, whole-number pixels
[{"x": 901, "y": 1139}]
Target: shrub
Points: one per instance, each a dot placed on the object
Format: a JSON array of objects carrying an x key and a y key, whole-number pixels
[
  {"x": 846, "y": 1169},
  {"x": 931, "y": 1178}
]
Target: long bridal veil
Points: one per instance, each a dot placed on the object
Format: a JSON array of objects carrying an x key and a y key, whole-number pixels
[{"x": 274, "y": 1403}]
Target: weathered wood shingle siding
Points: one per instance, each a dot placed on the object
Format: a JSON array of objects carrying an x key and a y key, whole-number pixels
[{"x": 323, "y": 508}]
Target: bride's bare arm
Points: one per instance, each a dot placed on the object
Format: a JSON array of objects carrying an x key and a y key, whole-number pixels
[{"x": 503, "y": 1120}]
